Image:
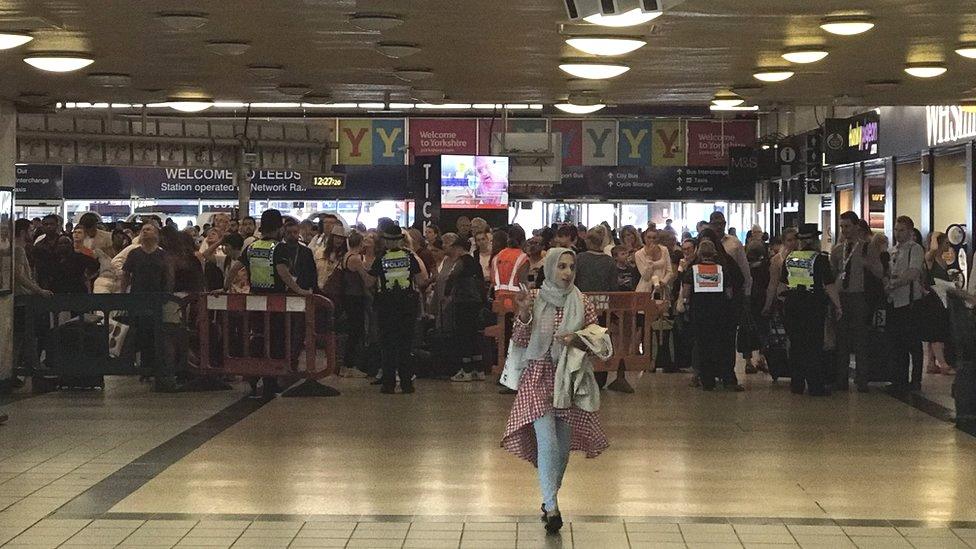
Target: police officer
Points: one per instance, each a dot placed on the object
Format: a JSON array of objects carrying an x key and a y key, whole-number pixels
[
  {"x": 809, "y": 282},
  {"x": 397, "y": 274},
  {"x": 267, "y": 266}
]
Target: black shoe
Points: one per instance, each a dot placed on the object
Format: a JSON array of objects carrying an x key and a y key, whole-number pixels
[
  {"x": 506, "y": 391},
  {"x": 16, "y": 383},
  {"x": 388, "y": 390},
  {"x": 376, "y": 381},
  {"x": 554, "y": 523},
  {"x": 408, "y": 389}
]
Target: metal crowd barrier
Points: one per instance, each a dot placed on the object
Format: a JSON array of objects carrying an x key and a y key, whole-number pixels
[
  {"x": 628, "y": 316},
  {"x": 271, "y": 335}
]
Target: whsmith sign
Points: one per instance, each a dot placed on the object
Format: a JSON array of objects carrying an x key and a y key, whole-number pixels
[{"x": 949, "y": 124}]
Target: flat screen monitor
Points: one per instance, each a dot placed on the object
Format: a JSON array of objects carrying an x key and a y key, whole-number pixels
[{"x": 474, "y": 182}]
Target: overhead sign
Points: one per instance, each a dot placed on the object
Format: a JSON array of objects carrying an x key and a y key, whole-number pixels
[
  {"x": 709, "y": 142},
  {"x": 652, "y": 183},
  {"x": 854, "y": 139},
  {"x": 39, "y": 182},
  {"x": 430, "y": 136},
  {"x": 353, "y": 182}
]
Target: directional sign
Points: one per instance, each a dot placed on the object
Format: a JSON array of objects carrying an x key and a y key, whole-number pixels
[{"x": 652, "y": 183}]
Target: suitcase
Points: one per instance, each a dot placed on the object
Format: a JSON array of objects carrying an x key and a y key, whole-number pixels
[{"x": 778, "y": 350}]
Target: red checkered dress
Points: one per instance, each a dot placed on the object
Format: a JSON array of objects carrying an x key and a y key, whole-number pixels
[{"x": 534, "y": 400}]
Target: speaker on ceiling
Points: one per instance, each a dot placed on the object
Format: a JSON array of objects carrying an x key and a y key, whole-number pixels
[{"x": 579, "y": 9}]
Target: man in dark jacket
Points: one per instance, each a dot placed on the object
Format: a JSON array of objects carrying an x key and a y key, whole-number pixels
[{"x": 464, "y": 290}]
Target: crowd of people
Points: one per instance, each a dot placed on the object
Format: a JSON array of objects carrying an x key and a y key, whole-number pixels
[{"x": 399, "y": 289}]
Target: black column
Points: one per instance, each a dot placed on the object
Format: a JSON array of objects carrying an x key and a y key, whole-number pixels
[
  {"x": 927, "y": 199},
  {"x": 891, "y": 184},
  {"x": 970, "y": 190}
]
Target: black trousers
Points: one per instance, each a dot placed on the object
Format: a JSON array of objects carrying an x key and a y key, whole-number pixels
[
  {"x": 396, "y": 319},
  {"x": 803, "y": 317},
  {"x": 467, "y": 337},
  {"x": 905, "y": 344},
  {"x": 355, "y": 309}
]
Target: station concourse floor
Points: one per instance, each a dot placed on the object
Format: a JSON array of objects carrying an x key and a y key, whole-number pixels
[{"x": 763, "y": 468}]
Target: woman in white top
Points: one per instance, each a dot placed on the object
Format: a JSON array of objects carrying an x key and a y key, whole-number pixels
[
  {"x": 482, "y": 253},
  {"x": 654, "y": 263}
]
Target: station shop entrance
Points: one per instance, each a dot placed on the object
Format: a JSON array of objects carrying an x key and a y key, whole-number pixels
[{"x": 535, "y": 214}]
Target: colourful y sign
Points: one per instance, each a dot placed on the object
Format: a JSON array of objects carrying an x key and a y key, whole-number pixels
[
  {"x": 668, "y": 143},
  {"x": 572, "y": 132},
  {"x": 432, "y": 136},
  {"x": 709, "y": 142},
  {"x": 600, "y": 143},
  {"x": 371, "y": 142},
  {"x": 389, "y": 142},
  {"x": 634, "y": 143}
]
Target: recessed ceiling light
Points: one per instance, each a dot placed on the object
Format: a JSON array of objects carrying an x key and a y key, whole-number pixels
[
  {"x": 10, "y": 40},
  {"x": 727, "y": 99},
  {"x": 58, "y": 62},
  {"x": 847, "y": 25},
  {"x": 295, "y": 89},
  {"x": 925, "y": 70},
  {"x": 265, "y": 72},
  {"x": 184, "y": 20},
  {"x": 190, "y": 104},
  {"x": 594, "y": 70},
  {"x": 109, "y": 80},
  {"x": 967, "y": 50},
  {"x": 805, "y": 55},
  {"x": 231, "y": 48},
  {"x": 411, "y": 75},
  {"x": 376, "y": 22},
  {"x": 773, "y": 75},
  {"x": 606, "y": 45},
  {"x": 627, "y": 19},
  {"x": 579, "y": 109},
  {"x": 739, "y": 108},
  {"x": 396, "y": 50}
]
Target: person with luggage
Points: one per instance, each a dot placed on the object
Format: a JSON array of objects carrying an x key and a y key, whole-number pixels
[
  {"x": 855, "y": 264},
  {"x": 810, "y": 288},
  {"x": 398, "y": 276},
  {"x": 904, "y": 289},
  {"x": 463, "y": 288}
]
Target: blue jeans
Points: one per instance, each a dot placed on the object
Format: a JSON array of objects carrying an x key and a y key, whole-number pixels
[{"x": 552, "y": 438}]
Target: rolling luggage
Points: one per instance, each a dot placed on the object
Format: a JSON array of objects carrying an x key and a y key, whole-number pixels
[{"x": 778, "y": 350}]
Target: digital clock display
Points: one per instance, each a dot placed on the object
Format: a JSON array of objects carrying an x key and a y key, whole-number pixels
[{"x": 329, "y": 181}]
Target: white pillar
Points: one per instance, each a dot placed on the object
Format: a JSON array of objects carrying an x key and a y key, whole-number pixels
[{"x": 8, "y": 157}]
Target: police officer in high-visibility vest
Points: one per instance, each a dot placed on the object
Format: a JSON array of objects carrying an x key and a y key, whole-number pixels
[
  {"x": 809, "y": 283},
  {"x": 267, "y": 267},
  {"x": 398, "y": 275}
]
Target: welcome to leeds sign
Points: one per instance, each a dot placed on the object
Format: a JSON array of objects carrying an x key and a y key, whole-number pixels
[{"x": 949, "y": 124}]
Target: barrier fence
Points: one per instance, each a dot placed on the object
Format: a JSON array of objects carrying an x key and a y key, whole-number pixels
[
  {"x": 628, "y": 317},
  {"x": 85, "y": 336},
  {"x": 266, "y": 336}
]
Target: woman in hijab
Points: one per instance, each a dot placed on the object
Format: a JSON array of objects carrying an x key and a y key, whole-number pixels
[{"x": 538, "y": 431}]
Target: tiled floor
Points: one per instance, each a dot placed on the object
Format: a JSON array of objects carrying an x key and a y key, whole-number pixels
[
  {"x": 219, "y": 534},
  {"x": 126, "y": 468}
]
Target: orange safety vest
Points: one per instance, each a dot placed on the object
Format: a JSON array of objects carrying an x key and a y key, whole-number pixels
[{"x": 505, "y": 267}]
